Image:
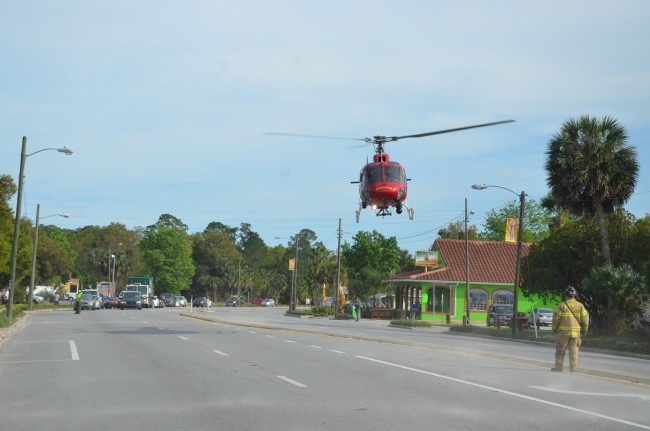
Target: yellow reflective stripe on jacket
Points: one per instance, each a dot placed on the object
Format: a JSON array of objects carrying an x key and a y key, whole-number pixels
[{"x": 570, "y": 316}]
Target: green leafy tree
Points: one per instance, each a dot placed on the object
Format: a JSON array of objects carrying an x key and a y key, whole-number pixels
[
  {"x": 615, "y": 297},
  {"x": 252, "y": 247},
  {"x": 93, "y": 245},
  {"x": 213, "y": 252},
  {"x": 456, "y": 230},
  {"x": 406, "y": 261},
  {"x": 54, "y": 256},
  {"x": 321, "y": 265},
  {"x": 371, "y": 258},
  {"x": 24, "y": 251},
  {"x": 7, "y": 190},
  {"x": 218, "y": 227},
  {"x": 564, "y": 258},
  {"x": 637, "y": 252},
  {"x": 571, "y": 253},
  {"x": 53, "y": 262},
  {"x": 591, "y": 170},
  {"x": 536, "y": 221},
  {"x": 167, "y": 252}
]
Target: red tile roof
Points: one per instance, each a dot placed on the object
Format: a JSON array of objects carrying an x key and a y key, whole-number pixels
[{"x": 490, "y": 262}]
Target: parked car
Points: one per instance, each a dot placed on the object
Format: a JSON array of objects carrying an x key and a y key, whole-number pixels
[
  {"x": 541, "y": 316},
  {"x": 156, "y": 302},
  {"x": 201, "y": 301},
  {"x": 37, "y": 299},
  {"x": 256, "y": 301},
  {"x": 181, "y": 301},
  {"x": 269, "y": 302},
  {"x": 130, "y": 299},
  {"x": 502, "y": 312},
  {"x": 111, "y": 302},
  {"x": 234, "y": 301}
]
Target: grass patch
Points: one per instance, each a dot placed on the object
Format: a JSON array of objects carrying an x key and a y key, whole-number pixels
[
  {"x": 633, "y": 342},
  {"x": 19, "y": 309},
  {"x": 412, "y": 323}
]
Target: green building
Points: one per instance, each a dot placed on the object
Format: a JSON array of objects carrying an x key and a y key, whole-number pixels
[{"x": 440, "y": 290}]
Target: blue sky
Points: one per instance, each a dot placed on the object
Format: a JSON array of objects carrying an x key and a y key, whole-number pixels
[{"x": 166, "y": 105}]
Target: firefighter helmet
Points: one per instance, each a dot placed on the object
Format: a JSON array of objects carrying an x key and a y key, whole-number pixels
[{"x": 570, "y": 291}]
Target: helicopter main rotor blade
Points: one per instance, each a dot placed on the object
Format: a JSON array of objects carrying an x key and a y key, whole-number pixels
[
  {"x": 295, "y": 135},
  {"x": 439, "y": 132}
]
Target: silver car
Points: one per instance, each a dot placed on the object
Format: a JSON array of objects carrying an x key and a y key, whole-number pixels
[{"x": 541, "y": 316}]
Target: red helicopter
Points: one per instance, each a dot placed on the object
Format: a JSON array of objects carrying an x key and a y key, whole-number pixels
[{"x": 382, "y": 182}]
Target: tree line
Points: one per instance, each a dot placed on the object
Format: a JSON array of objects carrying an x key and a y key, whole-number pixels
[{"x": 581, "y": 235}]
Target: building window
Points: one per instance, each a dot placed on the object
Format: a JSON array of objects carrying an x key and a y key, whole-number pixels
[
  {"x": 478, "y": 299},
  {"x": 503, "y": 296}
]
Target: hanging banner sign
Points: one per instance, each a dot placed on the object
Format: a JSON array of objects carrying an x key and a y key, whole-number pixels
[
  {"x": 292, "y": 264},
  {"x": 512, "y": 225}
]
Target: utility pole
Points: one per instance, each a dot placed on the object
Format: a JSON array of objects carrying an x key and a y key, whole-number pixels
[{"x": 338, "y": 270}]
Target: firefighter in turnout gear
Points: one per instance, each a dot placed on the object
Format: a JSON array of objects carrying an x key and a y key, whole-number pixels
[{"x": 570, "y": 322}]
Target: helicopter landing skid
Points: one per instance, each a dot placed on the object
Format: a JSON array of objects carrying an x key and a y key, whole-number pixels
[
  {"x": 409, "y": 210},
  {"x": 383, "y": 212}
]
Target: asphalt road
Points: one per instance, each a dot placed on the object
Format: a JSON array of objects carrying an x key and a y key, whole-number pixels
[{"x": 257, "y": 369}]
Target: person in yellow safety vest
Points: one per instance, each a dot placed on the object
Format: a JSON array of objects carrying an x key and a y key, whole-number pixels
[
  {"x": 77, "y": 302},
  {"x": 570, "y": 322}
]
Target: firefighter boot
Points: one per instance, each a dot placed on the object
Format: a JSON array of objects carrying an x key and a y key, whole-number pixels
[{"x": 559, "y": 364}]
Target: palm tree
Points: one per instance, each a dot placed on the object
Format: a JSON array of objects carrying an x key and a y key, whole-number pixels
[{"x": 591, "y": 170}]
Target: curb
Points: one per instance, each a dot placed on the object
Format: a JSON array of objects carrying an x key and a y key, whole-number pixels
[{"x": 7, "y": 334}]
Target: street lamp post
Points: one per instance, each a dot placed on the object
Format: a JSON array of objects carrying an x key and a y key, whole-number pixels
[
  {"x": 292, "y": 305},
  {"x": 467, "y": 320},
  {"x": 522, "y": 205},
  {"x": 31, "y": 278},
  {"x": 14, "y": 245},
  {"x": 239, "y": 278},
  {"x": 112, "y": 280}
]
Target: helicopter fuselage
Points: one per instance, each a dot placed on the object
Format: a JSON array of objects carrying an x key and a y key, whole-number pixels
[{"x": 382, "y": 183}]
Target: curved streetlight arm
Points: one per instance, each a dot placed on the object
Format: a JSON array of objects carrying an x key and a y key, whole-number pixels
[
  {"x": 64, "y": 150},
  {"x": 485, "y": 186}
]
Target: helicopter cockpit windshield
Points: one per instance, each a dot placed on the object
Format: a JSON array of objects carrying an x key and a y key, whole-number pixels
[
  {"x": 393, "y": 174},
  {"x": 371, "y": 174}
]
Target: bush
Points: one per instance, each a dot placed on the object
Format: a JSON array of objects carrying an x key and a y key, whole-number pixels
[
  {"x": 411, "y": 323},
  {"x": 320, "y": 311},
  {"x": 300, "y": 312}
]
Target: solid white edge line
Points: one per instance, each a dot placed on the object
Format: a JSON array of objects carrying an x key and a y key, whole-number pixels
[
  {"x": 293, "y": 382},
  {"x": 514, "y": 394},
  {"x": 73, "y": 350}
]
